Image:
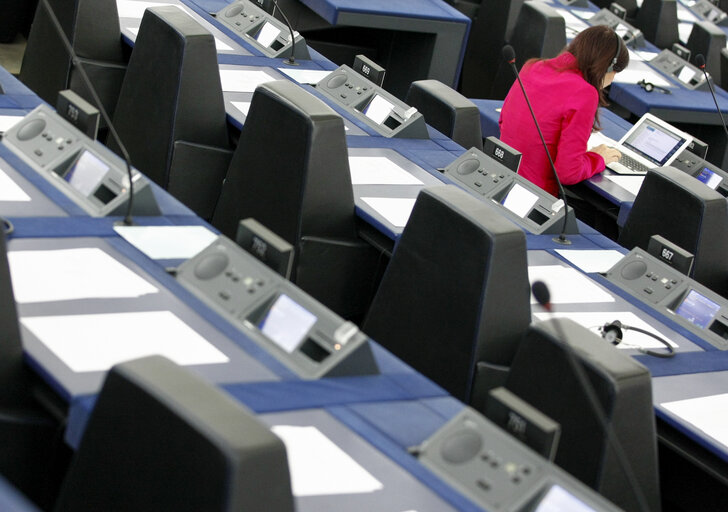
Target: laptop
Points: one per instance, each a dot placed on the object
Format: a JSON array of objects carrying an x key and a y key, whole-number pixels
[{"x": 650, "y": 143}]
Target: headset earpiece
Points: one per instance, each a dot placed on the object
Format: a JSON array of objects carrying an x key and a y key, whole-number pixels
[
  {"x": 612, "y": 332},
  {"x": 616, "y": 55}
]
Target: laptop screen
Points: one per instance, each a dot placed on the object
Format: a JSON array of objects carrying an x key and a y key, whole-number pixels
[{"x": 654, "y": 142}]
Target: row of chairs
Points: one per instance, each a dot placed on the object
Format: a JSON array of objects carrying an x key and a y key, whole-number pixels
[{"x": 536, "y": 30}]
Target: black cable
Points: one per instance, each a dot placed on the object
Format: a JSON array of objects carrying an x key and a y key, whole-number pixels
[{"x": 87, "y": 82}]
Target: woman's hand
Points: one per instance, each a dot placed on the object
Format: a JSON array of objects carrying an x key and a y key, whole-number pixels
[{"x": 608, "y": 153}]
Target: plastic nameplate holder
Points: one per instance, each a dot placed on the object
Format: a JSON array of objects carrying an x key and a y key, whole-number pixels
[
  {"x": 267, "y": 34},
  {"x": 287, "y": 323},
  {"x": 697, "y": 309},
  {"x": 378, "y": 109},
  {"x": 86, "y": 173}
]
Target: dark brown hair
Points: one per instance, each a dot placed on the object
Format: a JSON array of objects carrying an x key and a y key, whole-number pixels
[{"x": 595, "y": 48}]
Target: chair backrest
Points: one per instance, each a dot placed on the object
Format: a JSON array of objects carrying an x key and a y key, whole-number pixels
[
  {"x": 488, "y": 34},
  {"x": 708, "y": 40},
  {"x": 456, "y": 291},
  {"x": 657, "y": 19},
  {"x": 543, "y": 375},
  {"x": 92, "y": 26},
  {"x": 540, "y": 32},
  {"x": 689, "y": 214},
  {"x": 447, "y": 111},
  {"x": 171, "y": 93},
  {"x": 161, "y": 438},
  {"x": 290, "y": 170}
]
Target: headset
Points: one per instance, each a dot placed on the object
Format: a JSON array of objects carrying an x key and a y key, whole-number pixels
[
  {"x": 616, "y": 55},
  {"x": 612, "y": 332},
  {"x": 649, "y": 87}
]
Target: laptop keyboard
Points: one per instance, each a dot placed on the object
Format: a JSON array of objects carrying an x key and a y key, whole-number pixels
[{"x": 631, "y": 163}]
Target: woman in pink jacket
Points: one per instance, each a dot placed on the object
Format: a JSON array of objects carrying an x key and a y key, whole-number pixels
[{"x": 565, "y": 93}]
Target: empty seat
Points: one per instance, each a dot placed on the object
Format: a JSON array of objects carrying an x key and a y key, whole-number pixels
[
  {"x": 171, "y": 113},
  {"x": 454, "y": 300},
  {"x": 290, "y": 172},
  {"x": 708, "y": 40},
  {"x": 657, "y": 19},
  {"x": 447, "y": 111},
  {"x": 92, "y": 27}
]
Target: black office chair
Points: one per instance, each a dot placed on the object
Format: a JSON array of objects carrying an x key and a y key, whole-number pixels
[
  {"x": 540, "y": 32},
  {"x": 487, "y": 36},
  {"x": 707, "y": 39},
  {"x": 30, "y": 437},
  {"x": 161, "y": 438},
  {"x": 454, "y": 300},
  {"x": 657, "y": 19},
  {"x": 680, "y": 208},
  {"x": 171, "y": 113},
  {"x": 724, "y": 67},
  {"x": 542, "y": 375},
  {"x": 92, "y": 26},
  {"x": 629, "y": 5},
  {"x": 290, "y": 172},
  {"x": 447, "y": 111}
]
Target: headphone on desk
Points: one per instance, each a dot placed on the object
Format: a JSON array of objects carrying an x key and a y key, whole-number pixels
[
  {"x": 612, "y": 332},
  {"x": 649, "y": 87}
]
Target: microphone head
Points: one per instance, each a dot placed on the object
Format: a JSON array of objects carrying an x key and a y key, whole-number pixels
[
  {"x": 541, "y": 293},
  {"x": 700, "y": 61},
  {"x": 509, "y": 54}
]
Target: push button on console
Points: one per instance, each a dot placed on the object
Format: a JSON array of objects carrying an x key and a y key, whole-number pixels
[{"x": 211, "y": 265}]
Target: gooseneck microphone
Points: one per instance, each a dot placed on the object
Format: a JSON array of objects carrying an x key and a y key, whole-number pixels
[
  {"x": 291, "y": 60},
  {"x": 92, "y": 90},
  {"x": 543, "y": 296},
  {"x": 700, "y": 61},
  {"x": 509, "y": 55}
]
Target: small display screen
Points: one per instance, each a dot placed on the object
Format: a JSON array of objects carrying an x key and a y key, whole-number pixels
[
  {"x": 287, "y": 323},
  {"x": 686, "y": 75},
  {"x": 558, "y": 499},
  {"x": 267, "y": 34},
  {"x": 378, "y": 109},
  {"x": 709, "y": 178},
  {"x": 86, "y": 173},
  {"x": 697, "y": 309}
]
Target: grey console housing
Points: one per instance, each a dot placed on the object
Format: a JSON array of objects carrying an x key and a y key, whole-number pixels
[
  {"x": 85, "y": 171},
  {"x": 659, "y": 286},
  {"x": 250, "y": 295},
  {"x": 358, "y": 94}
]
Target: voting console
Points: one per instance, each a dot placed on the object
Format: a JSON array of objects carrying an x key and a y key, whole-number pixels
[
  {"x": 373, "y": 105},
  {"x": 500, "y": 473},
  {"x": 676, "y": 296},
  {"x": 299, "y": 331},
  {"x": 524, "y": 203},
  {"x": 86, "y": 172},
  {"x": 261, "y": 30}
]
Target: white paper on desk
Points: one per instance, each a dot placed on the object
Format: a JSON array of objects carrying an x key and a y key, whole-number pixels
[
  {"x": 581, "y": 13},
  {"x": 167, "y": 242},
  {"x": 305, "y": 76},
  {"x": 221, "y": 46},
  {"x": 395, "y": 209},
  {"x": 10, "y": 191},
  {"x": 378, "y": 170},
  {"x": 243, "y": 80},
  {"x": 7, "y": 122},
  {"x": 598, "y": 260},
  {"x": 520, "y": 200},
  {"x": 572, "y": 22},
  {"x": 708, "y": 413},
  {"x": 597, "y": 138},
  {"x": 631, "y": 184},
  {"x": 633, "y": 76},
  {"x": 242, "y": 106},
  {"x": 641, "y": 55},
  {"x": 320, "y": 468},
  {"x": 378, "y": 109},
  {"x": 631, "y": 340},
  {"x": 684, "y": 14},
  {"x": 92, "y": 343},
  {"x": 68, "y": 274},
  {"x": 567, "y": 285},
  {"x": 132, "y": 9}
]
